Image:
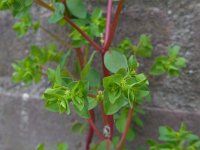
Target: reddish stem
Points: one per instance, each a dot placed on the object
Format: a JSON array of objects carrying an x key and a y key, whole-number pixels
[
  {"x": 108, "y": 118},
  {"x": 123, "y": 138},
  {"x": 95, "y": 45},
  {"x": 114, "y": 25},
  {"x": 90, "y": 131},
  {"x": 108, "y": 21},
  {"x": 105, "y": 119},
  {"x": 97, "y": 131},
  {"x": 80, "y": 57}
]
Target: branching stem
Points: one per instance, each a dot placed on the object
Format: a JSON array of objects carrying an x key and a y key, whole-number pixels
[
  {"x": 97, "y": 131},
  {"x": 108, "y": 21},
  {"x": 123, "y": 138},
  {"x": 114, "y": 25}
]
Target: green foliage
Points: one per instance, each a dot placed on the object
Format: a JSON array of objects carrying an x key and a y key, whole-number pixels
[
  {"x": 77, "y": 8},
  {"x": 124, "y": 87},
  {"x": 24, "y": 25},
  {"x": 58, "y": 14},
  {"x": 78, "y": 128},
  {"x": 175, "y": 140},
  {"x": 114, "y": 61},
  {"x": 144, "y": 47},
  {"x": 17, "y": 7},
  {"x": 120, "y": 123},
  {"x": 170, "y": 64},
  {"x": 93, "y": 25},
  {"x": 58, "y": 97},
  {"x": 60, "y": 146},
  {"x": 30, "y": 68}
]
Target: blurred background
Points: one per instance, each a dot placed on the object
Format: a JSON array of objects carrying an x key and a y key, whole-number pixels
[{"x": 24, "y": 122}]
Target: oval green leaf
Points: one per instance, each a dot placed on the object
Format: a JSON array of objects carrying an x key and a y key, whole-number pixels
[
  {"x": 114, "y": 61},
  {"x": 77, "y": 8}
]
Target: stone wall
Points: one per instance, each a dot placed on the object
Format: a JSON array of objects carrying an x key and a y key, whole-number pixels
[{"x": 25, "y": 123}]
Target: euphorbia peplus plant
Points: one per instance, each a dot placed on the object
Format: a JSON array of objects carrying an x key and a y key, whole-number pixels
[{"x": 118, "y": 91}]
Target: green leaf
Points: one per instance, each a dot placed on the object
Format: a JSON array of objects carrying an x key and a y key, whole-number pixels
[
  {"x": 40, "y": 147},
  {"x": 51, "y": 75},
  {"x": 174, "y": 51},
  {"x": 77, "y": 8},
  {"x": 180, "y": 62},
  {"x": 130, "y": 135},
  {"x": 78, "y": 128},
  {"x": 173, "y": 71},
  {"x": 113, "y": 108},
  {"x": 103, "y": 146},
  {"x": 92, "y": 103},
  {"x": 58, "y": 77},
  {"x": 144, "y": 47},
  {"x": 62, "y": 146},
  {"x": 93, "y": 77},
  {"x": 83, "y": 113},
  {"x": 133, "y": 63},
  {"x": 114, "y": 61},
  {"x": 58, "y": 13},
  {"x": 86, "y": 69},
  {"x": 64, "y": 59},
  {"x": 121, "y": 122}
]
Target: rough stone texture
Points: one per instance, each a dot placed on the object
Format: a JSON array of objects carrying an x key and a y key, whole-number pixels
[{"x": 24, "y": 124}]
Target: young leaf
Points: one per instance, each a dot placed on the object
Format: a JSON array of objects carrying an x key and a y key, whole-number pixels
[
  {"x": 77, "y": 8},
  {"x": 58, "y": 13},
  {"x": 113, "y": 108},
  {"x": 114, "y": 61},
  {"x": 180, "y": 62},
  {"x": 86, "y": 69},
  {"x": 78, "y": 128},
  {"x": 40, "y": 147},
  {"x": 144, "y": 47},
  {"x": 63, "y": 59},
  {"x": 62, "y": 147},
  {"x": 173, "y": 51}
]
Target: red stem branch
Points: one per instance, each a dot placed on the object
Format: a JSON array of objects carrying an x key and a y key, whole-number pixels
[
  {"x": 97, "y": 131},
  {"x": 114, "y": 25},
  {"x": 95, "y": 45},
  {"x": 108, "y": 21},
  {"x": 90, "y": 131},
  {"x": 123, "y": 138},
  {"x": 80, "y": 57},
  {"x": 108, "y": 118}
]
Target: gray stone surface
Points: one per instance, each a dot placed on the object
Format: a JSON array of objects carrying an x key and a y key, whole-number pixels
[{"x": 25, "y": 123}]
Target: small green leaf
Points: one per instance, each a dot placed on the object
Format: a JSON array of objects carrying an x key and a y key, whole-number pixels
[
  {"x": 86, "y": 69},
  {"x": 133, "y": 63},
  {"x": 180, "y": 62},
  {"x": 144, "y": 47},
  {"x": 174, "y": 51},
  {"x": 58, "y": 13},
  {"x": 62, "y": 146},
  {"x": 93, "y": 77},
  {"x": 63, "y": 59},
  {"x": 40, "y": 147},
  {"x": 114, "y": 61},
  {"x": 78, "y": 128},
  {"x": 130, "y": 135},
  {"x": 113, "y": 108},
  {"x": 92, "y": 103},
  {"x": 77, "y": 8},
  {"x": 58, "y": 77}
]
